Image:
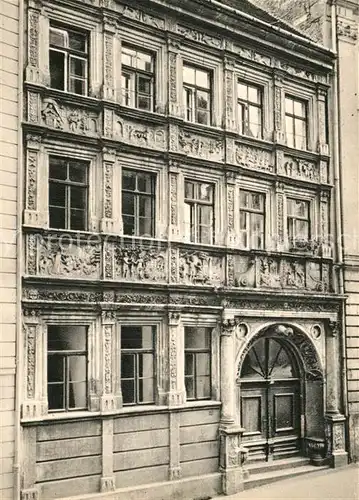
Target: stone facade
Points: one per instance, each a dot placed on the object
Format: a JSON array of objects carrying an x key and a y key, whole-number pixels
[{"x": 237, "y": 250}]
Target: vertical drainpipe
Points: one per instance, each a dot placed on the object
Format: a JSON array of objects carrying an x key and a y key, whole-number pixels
[
  {"x": 19, "y": 260},
  {"x": 338, "y": 185}
]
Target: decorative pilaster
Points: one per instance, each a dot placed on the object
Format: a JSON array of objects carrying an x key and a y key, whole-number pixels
[
  {"x": 107, "y": 479},
  {"x": 32, "y": 213},
  {"x": 230, "y": 119},
  {"x": 174, "y": 228},
  {"x": 324, "y": 224},
  {"x": 280, "y": 199},
  {"x": 28, "y": 466},
  {"x": 332, "y": 360},
  {"x": 335, "y": 439},
  {"x": 229, "y": 325},
  {"x": 173, "y": 48},
  {"x": 175, "y": 471},
  {"x": 111, "y": 395},
  {"x": 109, "y": 59},
  {"x": 323, "y": 147},
  {"x": 279, "y": 134},
  {"x": 231, "y": 209},
  {"x": 34, "y": 401},
  {"x": 176, "y": 389},
  {"x": 232, "y": 459},
  {"x": 33, "y": 72},
  {"x": 110, "y": 223}
]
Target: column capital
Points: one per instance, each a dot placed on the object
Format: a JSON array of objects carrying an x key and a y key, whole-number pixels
[
  {"x": 174, "y": 318},
  {"x": 228, "y": 326},
  {"x": 333, "y": 328}
]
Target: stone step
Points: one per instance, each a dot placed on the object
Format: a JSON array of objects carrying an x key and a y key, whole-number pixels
[
  {"x": 271, "y": 476},
  {"x": 287, "y": 463}
]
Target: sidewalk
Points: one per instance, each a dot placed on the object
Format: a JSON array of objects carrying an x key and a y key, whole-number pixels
[{"x": 341, "y": 484}]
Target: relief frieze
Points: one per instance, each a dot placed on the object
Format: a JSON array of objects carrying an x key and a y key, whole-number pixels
[
  {"x": 141, "y": 16},
  {"x": 201, "y": 147},
  {"x": 299, "y": 169},
  {"x": 200, "y": 268},
  {"x": 201, "y": 37},
  {"x": 69, "y": 119},
  {"x": 138, "y": 134},
  {"x": 140, "y": 264},
  {"x": 253, "y": 158}
]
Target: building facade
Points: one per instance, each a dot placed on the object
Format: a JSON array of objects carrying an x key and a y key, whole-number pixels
[{"x": 181, "y": 301}]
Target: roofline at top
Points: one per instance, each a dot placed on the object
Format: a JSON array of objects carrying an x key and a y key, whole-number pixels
[{"x": 300, "y": 38}]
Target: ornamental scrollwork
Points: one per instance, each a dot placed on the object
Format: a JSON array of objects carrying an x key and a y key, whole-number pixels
[{"x": 203, "y": 147}]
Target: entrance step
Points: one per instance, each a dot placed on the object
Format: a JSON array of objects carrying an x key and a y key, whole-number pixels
[{"x": 265, "y": 473}]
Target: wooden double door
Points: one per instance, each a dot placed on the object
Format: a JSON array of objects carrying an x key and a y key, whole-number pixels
[{"x": 270, "y": 401}]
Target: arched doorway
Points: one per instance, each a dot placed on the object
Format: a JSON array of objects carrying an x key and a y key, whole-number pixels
[{"x": 270, "y": 400}]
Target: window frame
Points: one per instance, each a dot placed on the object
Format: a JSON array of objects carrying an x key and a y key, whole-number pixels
[
  {"x": 246, "y": 104},
  {"x": 194, "y": 352},
  {"x": 134, "y": 73},
  {"x": 68, "y": 184},
  {"x": 294, "y": 99},
  {"x": 137, "y": 194},
  {"x": 194, "y": 204},
  {"x": 291, "y": 218},
  {"x": 70, "y": 54},
  {"x": 67, "y": 354},
  {"x": 194, "y": 88},
  {"x": 249, "y": 211}
]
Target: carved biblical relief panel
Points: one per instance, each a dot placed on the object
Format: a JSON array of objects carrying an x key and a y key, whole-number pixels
[
  {"x": 200, "y": 268},
  {"x": 299, "y": 169},
  {"x": 138, "y": 134},
  {"x": 254, "y": 158},
  {"x": 69, "y": 119},
  {"x": 201, "y": 147},
  {"x": 136, "y": 263}
]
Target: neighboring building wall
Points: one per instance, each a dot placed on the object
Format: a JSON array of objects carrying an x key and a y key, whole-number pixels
[{"x": 9, "y": 92}]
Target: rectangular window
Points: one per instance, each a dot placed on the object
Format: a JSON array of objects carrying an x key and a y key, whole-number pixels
[
  {"x": 68, "y": 194},
  {"x": 198, "y": 363},
  {"x": 68, "y": 60},
  {"x": 137, "y": 364},
  {"x": 252, "y": 219},
  {"x": 199, "y": 212},
  {"x": 197, "y": 95},
  {"x": 298, "y": 220},
  {"x": 67, "y": 368},
  {"x": 138, "y": 78},
  {"x": 250, "y": 110},
  {"x": 296, "y": 122},
  {"x": 138, "y": 203}
]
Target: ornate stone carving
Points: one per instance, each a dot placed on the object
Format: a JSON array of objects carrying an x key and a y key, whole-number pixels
[
  {"x": 294, "y": 276},
  {"x": 253, "y": 158},
  {"x": 200, "y": 37},
  {"x": 229, "y": 326},
  {"x": 142, "y": 17},
  {"x": 280, "y": 217},
  {"x": 108, "y": 60},
  {"x": 268, "y": 273},
  {"x": 33, "y": 107},
  {"x": 30, "y": 360},
  {"x": 137, "y": 264},
  {"x": 315, "y": 278},
  {"x": 172, "y": 77},
  {"x": 229, "y": 90},
  {"x": 244, "y": 271},
  {"x": 33, "y": 38},
  {"x": 173, "y": 265},
  {"x": 293, "y": 305},
  {"x": 108, "y": 189},
  {"x": 31, "y": 191},
  {"x": 31, "y": 257},
  {"x": 69, "y": 119},
  {"x": 230, "y": 208},
  {"x": 108, "y": 359},
  {"x": 68, "y": 259},
  {"x": 347, "y": 29},
  {"x": 140, "y": 298},
  {"x": 300, "y": 169},
  {"x": 53, "y": 295},
  {"x": 199, "y": 268},
  {"x": 174, "y": 198},
  {"x": 338, "y": 438},
  {"x": 30, "y": 494},
  {"x": 195, "y": 300},
  {"x": 334, "y": 328},
  {"x": 278, "y": 108},
  {"x": 252, "y": 55},
  {"x": 203, "y": 147},
  {"x": 140, "y": 135}
]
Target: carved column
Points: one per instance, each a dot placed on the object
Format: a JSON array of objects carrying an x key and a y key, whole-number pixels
[
  {"x": 324, "y": 224},
  {"x": 109, "y": 59},
  {"x": 279, "y": 133},
  {"x": 176, "y": 388},
  {"x": 111, "y": 221},
  {"x": 230, "y": 114},
  {"x": 173, "y": 48},
  {"x": 229, "y": 325},
  {"x": 111, "y": 398},
  {"x": 36, "y": 51},
  {"x": 323, "y": 147},
  {"x": 32, "y": 213},
  {"x": 232, "y": 239},
  {"x": 280, "y": 219},
  {"x": 34, "y": 392},
  {"x": 174, "y": 225},
  {"x": 333, "y": 371}
]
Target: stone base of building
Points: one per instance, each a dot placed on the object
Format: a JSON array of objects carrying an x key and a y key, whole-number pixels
[{"x": 207, "y": 486}]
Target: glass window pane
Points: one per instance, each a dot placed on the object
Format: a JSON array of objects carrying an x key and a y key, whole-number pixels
[
  {"x": 128, "y": 56},
  {"x": 243, "y": 220},
  {"x": 78, "y": 197},
  {"x": 77, "y": 86},
  {"x": 78, "y": 395},
  {"x": 145, "y": 389},
  {"x": 203, "y": 387},
  {"x": 254, "y": 94},
  {"x": 145, "y": 183},
  {"x": 144, "y": 102},
  {"x": 299, "y": 108},
  {"x": 203, "y": 100},
  {"x": 145, "y": 369},
  {"x": 290, "y": 140},
  {"x": 57, "y": 218},
  {"x": 189, "y": 190},
  {"x": 205, "y": 215},
  {"x": 242, "y": 91},
  {"x": 78, "y": 67},
  {"x": 127, "y": 366},
  {"x": 131, "y": 337},
  {"x": 128, "y": 180},
  {"x": 197, "y": 338},
  {"x": 202, "y": 79},
  {"x": 78, "y": 41},
  {"x": 289, "y": 106},
  {"x": 128, "y": 204},
  {"x": 205, "y": 192},
  {"x": 189, "y": 383},
  {"x": 205, "y": 235},
  {"x": 128, "y": 225},
  {"x": 58, "y": 37},
  {"x": 57, "y": 194},
  {"x": 77, "y": 219},
  {"x": 128, "y": 391},
  {"x": 189, "y": 364},
  {"x": 189, "y": 75},
  {"x": 302, "y": 230},
  {"x": 145, "y": 227},
  {"x": 57, "y": 169},
  {"x": 145, "y": 206},
  {"x": 77, "y": 368},
  {"x": 241, "y": 118},
  {"x": 60, "y": 337},
  {"x": 55, "y": 368},
  {"x": 144, "y": 61},
  {"x": 203, "y": 364},
  {"x": 78, "y": 172},
  {"x": 56, "y": 396},
  {"x": 57, "y": 70},
  {"x": 144, "y": 85}
]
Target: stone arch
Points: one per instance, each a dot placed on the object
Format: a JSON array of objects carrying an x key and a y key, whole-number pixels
[{"x": 300, "y": 344}]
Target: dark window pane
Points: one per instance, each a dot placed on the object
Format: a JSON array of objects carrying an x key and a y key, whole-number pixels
[
  {"x": 128, "y": 180},
  {"x": 197, "y": 338},
  {"x": 78, "y": 172},
  {"x": 57, "y": 218},
  {"x": 202, "y": 117},
  {"x": 131, "y": 337},
  {"x": 78, "y": 67},
  {"x": 189, "y": 383},
  {"x": 60, "y": 337},
  {"x": 128, "y": 204},
  {"x": 144, "y": 85},
  {"x": 77, "y": 86},
  {"x": 58, "y": 37},
  {"x": 57, "y": 70},
  {"x": 189, "y": 364},
  {"x": 55, "y": 396},
  {"x": 78, "y": 220},
  {"x": 57, "y": 194},
  {"x": 78, "y": 197},
  {"x": 189, "y": 190},
  {"x": 127, "y": 366},
  {"x": 55, "y": 368},
  {"x": 128, "y": 391},
  {"x": 145, "y": 206},
  {"x": 128, "y": 225},
  {"x": 202, "y": 100},
  {"x": 77, "y": 395},
  {"x": 145, "y": 183},
  {"x": 58, "y": 169},
  {"x": 77, "y": 41}
]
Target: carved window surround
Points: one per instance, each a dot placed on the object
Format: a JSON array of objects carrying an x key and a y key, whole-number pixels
[
  {"x": 37, "y": 185},
  {"x": 264, "y": 82},
  {"x": 173, "y": 174},
  {"x": 201, "y": 174},
  {"x": 34, "y": 404},
  {"x": 111, "y": 59},
  {"x": 210, "y": 63},
  {"x": 127, "y": 35},
  {"x": 111, "y": 221},
  {"x": 322, "y": 120},
  {"x": 202, "y": 321},
  {"x": 174, "y": 80}
]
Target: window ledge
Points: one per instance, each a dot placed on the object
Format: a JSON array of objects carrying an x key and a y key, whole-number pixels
[{"x": 125, "y": 411}]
